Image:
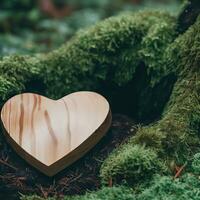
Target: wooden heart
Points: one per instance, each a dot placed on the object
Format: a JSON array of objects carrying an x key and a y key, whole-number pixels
[{"x": 52, "y": 134}]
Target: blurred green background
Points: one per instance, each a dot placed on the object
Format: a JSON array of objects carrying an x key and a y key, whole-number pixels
[{"x": 29, "y": 26}]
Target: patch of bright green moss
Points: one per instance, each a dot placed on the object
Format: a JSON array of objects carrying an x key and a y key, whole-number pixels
[
  {"x": 196, "y": 164},
  {"x": 15, "y": 72},
  {"x": 187, "y": 187},
  {"x": 132, "y": 163}
]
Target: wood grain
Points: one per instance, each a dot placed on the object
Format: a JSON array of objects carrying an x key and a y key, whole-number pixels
[{"x": 52, "y": 134}]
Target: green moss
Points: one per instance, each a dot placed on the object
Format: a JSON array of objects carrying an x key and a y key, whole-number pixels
[
  {"x": 195, "y": 119},
  {"x": 196, "y": 164},
  {"x": 108, "y": 51},
  {"x": 15, "y": 72},
  {"x": 132, "y": 164},
  {"x": 187, "y": 187},
  {"x": 154, "y": 44}
]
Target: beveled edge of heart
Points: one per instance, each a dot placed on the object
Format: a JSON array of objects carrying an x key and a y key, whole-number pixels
[{"x": 81, "y": 150}]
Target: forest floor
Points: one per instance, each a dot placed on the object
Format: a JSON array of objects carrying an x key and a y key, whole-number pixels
[{"x": 16, "y": 176}]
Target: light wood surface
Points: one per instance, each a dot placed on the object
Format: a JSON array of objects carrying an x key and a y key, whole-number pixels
[{"x": 52, "y": 134}]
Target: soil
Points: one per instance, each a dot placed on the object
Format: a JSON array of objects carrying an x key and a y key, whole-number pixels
[{"x": 16, "y": 176}]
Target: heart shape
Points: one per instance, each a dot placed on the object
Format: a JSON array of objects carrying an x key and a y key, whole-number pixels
[{"x": 52, "y": 134}]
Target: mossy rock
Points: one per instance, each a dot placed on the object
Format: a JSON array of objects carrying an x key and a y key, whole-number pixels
[{"x": 140, "y": 56}]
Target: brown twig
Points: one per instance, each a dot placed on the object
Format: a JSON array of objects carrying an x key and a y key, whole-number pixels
[
  {"x": 110, "y": 182},
  {"x": 44, "y": 193},
  {"x": 7, "y": 164},
  {"x": 179, "y": 170}
]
